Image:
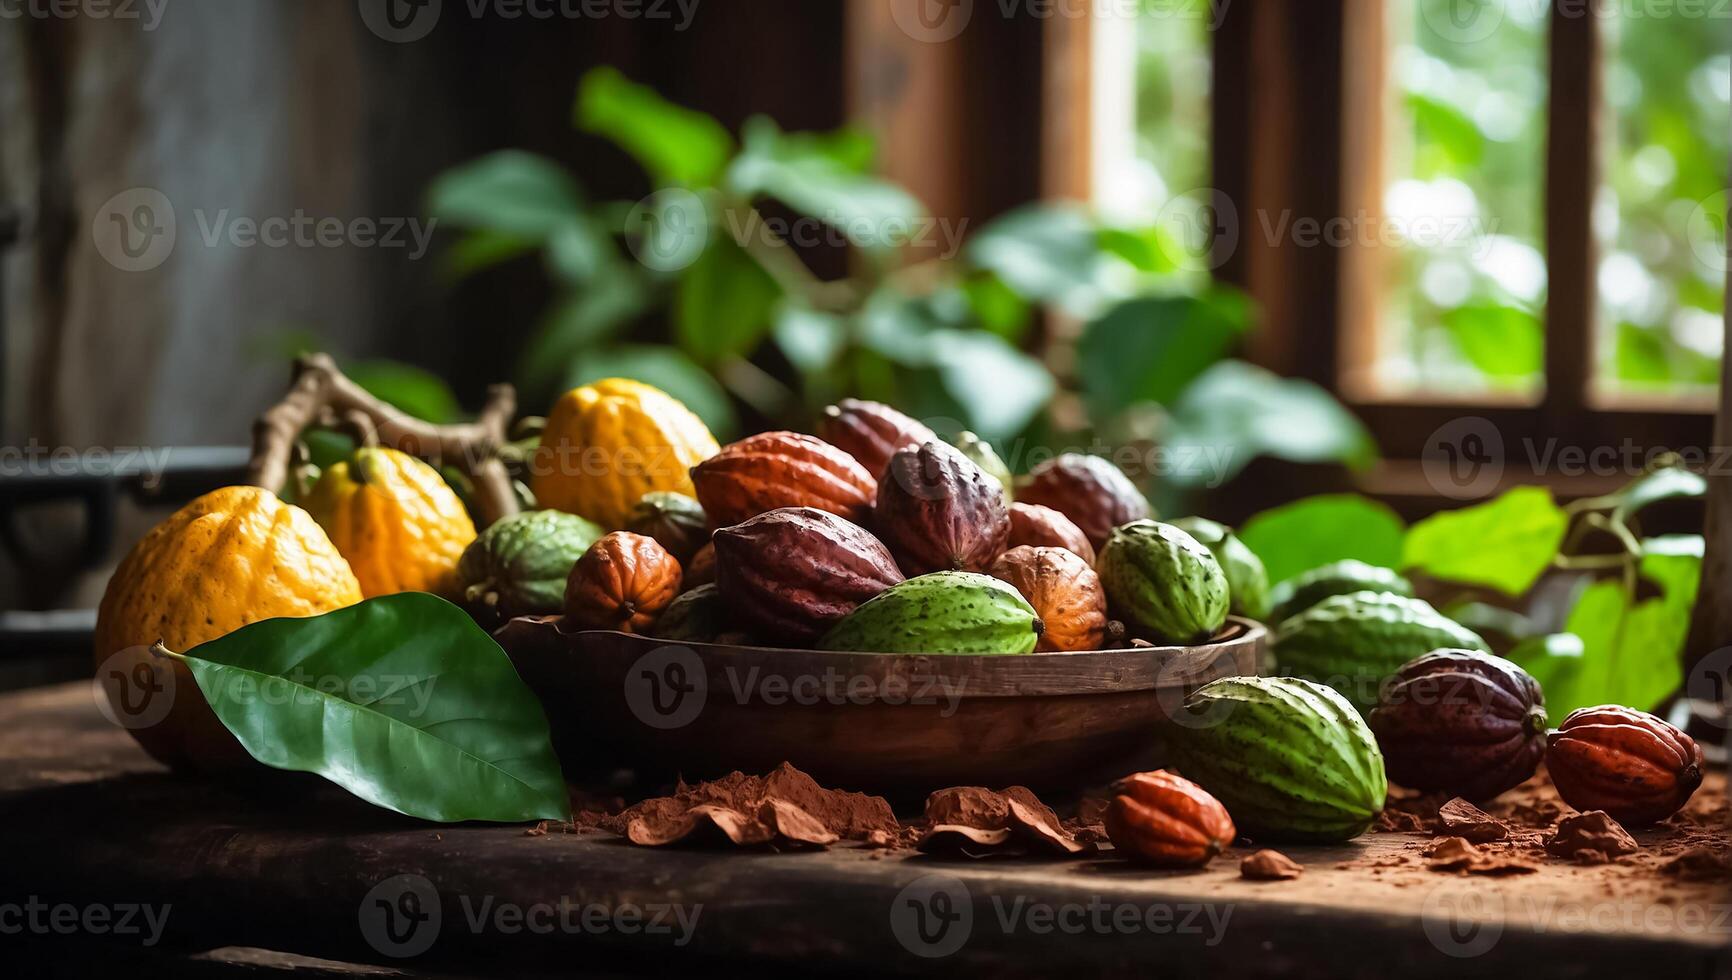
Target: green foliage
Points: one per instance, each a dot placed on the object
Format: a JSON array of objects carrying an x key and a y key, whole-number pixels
[
  {"x": 508, "y": 193},
  {"x": 411, "y": 389},
  {"x": 1504, "y": 543},
  {"x": 725, "y": 305},
  {"x": 1150, "y": 347},
  {"x": 822, "y": 177},
  {"x": 1238, "y": 412},
  {"x": 674, "y": 144},
  {"x": 1315, "y": 531}
]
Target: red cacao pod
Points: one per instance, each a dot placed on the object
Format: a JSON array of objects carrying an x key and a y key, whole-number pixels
[
  {"x": 1096, "y": 495},
  {"x": 781, "y": 469},
  {"x": 938, "y": 511},
  {"x": 792, "y": 573},
  {"x": 1461, "y": 722},
  {"x": 1064, "y": 591},
  {"x": 623, "y": 582},
  {"x": 1634, "y": 766},
  {"x": 1043, "y": 527},
  {"x": 1164, "y": 820},
  {"x": 871, "y": 432}
]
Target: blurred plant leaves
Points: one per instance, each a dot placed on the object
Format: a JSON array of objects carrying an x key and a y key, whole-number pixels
[
  {"x": 1043, "y": 252},
  {"x": 1150, "y": 347},
  {"x": 579, "y": 321},
  {"x": 1449, "y": 140},
  {"x": 997, "y": 306},
  {"x": 415, "y": 390},
  {"x": 666, "y": 368},
  {"x": 1633, "y": 649},
  {"x": 724, "y": 304},
  {"x": 1505, "y": 342},
  {"x": 509, "y": 192},
  {"x": 998, "y": 387},
  {"x": 1556, "y": 661},
  {"x": 1669, "y": 483},
  {"x": 675, "y": 145},
  {"x": 1236, "y": 412},
  {"x": 482, "y": 249},
  {"x": 1505, "y": 543},
  {"x": 822, "y": 176},
  {"x": 810, "y": 339},
  {"x": 1317, "y": 530}
]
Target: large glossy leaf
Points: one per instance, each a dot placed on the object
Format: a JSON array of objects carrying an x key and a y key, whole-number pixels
[
  {"x": 401, "y": 700},
  {"x": 821, "y": 176},
  {"x": 1236, "y": 412},
  {"x": 510, "y": 192},
  {"x": 1314, "y": 531},
  {"x": 726, "y": 303},
  {"x": 674, "y": 144},
  {"x": 1504, "y": 543},
  {"x": 998, "y": 387},
  {"x": 1150, "y": 347}
]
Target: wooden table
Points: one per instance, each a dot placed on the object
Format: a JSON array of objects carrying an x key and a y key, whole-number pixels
[{"x": 292, "y": 865}]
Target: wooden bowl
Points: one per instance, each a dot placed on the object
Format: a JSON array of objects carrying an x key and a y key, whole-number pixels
[{"x": 897, "y": 724}]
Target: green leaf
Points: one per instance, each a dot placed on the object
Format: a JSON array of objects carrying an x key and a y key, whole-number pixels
[
  {"x": 401, "y": 700},
  {"x": 1504, "y": 543},
  {"x": 997, "y": 306},
  {"x": 408, "y": 388},
  {"x": 1555, "y": 660},
  {"x": 725, "y": 304},
  {"x": 998, "y": 387},
  {"x": 819, "y": 176},
  {"x": 1236, "y": 412},
  {"x": 1150, "y": 347},
  {"x": 1044, "y": 252},
  {"x": 1506, "y": 343},
  {"x": 579, "y": 251},
  {"x": 666, "y": 368},
  {"x": 1452, "y": 136},
  {"x": 1666, "y": 484},
  {"x": 510, "y": 192},
  {"x": 578, "y": 322},
  {"x": 1641, "y": 355},
  {"x": 482, "y": 249},
  {"x": 675, "y": 145},
  {"x": 1315, "y": 531},
  {"x": 810, "y": 339}
]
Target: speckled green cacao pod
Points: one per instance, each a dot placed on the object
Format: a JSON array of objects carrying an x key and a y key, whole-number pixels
[
  {"x": 696, "y": 616},
  {"x": 1163, "y": 582},
  {"x": 1354, "y": 642},
  {"x": 1247, "y": 580},
  {"x": 1307, "y": 589},
  {"x": 1290, "y": 759},
  {"x": 981, "y": 453},
  {"x": 943, "y": 612},
  {"x": 518, "y": 566}
]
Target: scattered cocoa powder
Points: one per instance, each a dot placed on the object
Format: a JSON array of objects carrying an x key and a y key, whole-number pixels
[
  {"x": 1457, "y": 854},
  {"x": 1701, "y": 864},
  {"x": 785, "y": 806},
  {"x": 1591, "y": 838},
  {"x": 1462, "y": 819},
  {"x": 979, "y": 822},
  {"x": 1268, "y": 865}
]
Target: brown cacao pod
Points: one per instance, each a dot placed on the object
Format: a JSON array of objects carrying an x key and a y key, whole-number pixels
[
  {"x": 1634, "y": 766},
  {"x": 871, "y": 432},
  {"x": 1167, "y": 821},
  {"x": 1043, "y": 527},
  {"x": 792, "y": 573},
  {"x": 1461, "y": 722},
  {"x": 939, "y": 512},
  {"x": 781, "y": 469},
  {"x": 623, "y": 582},
  {"x": 676, "y": 521},
  {"x": 1096, "y": 495},
  {"x": 702, "y": 570},
  {"x": 1064, "y": 591}
]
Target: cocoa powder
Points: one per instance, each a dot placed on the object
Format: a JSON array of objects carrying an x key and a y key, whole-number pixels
[
  {"x": 1463, "y": 819},
  {"x": 1591, "y": 838},
  {"x": 785, "y": 806},
  {"x": 1268, "y": 865},
  {"x": 978, "y": 822}
]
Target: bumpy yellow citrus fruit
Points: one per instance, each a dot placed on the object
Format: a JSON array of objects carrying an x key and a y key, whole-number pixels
[{"x": 395, "y": 519}]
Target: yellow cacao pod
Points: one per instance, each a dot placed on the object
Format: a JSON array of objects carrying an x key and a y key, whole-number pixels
[{"x": 399, "y": 524}]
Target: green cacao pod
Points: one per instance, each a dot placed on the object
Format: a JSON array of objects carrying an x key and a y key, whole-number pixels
[
  {"x": 981, "y": 453},
  {"x": 1291, "y": 759},
  {"x": 696, "y": 616},
  {"x": 1163, "y": 582},
  {"x": 1354, "y": 642},
  {"x": 518, "y": 567},
  {"x": 676, "y": 521},
  {"x": 1247, "y": 580},
  {"x": 1307, "y": 589},
  {"x": 943, "y": 612}
]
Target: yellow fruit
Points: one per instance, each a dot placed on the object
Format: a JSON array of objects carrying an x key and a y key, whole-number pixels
[
  {"x": 232, "y": 557},
  {"x": 609, "y": 443},
  {"x": 395, "y": 519}
]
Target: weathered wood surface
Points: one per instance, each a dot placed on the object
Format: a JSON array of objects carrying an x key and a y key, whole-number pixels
[{"x": 291, "y": 864}]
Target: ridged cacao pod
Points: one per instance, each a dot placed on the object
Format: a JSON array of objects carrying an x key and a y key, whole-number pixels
[
  {"x": 623, "y": 582},
  {"x": 1163, "y": 583},
  {"x": 702, "y": 570},
  {"x": 1354, "y": 642},
  {"x": 1634, "y": 766},
  {"x": 939, "y": 512},
  {"x": 871, "y": 432},
  {"x": 1064, "y": 591},
  {"x": 1043, "y": 527},
  {"x": 981, "y": 454},
  {"x": 793, "y": 573},
  {"x": 393, "y": 517},
  {"x": 1307, "y": 589},
  {"x": 1247, "y": 581},
  {"x": 676, "y": 521},
  {"x": 1460, "y": 722},
  {"x": 1096, "y": 495},
  {"x": 519, "y": 565},
  {"x": 782, "y": 469},
  {"x": 696, "y": 616},
  {"x": 1166, "y": 821},
  {"x": 944, "y": 612},
  {"x": 1291, "y": 759}
]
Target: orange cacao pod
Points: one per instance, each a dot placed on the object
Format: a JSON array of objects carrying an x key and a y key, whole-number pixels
[
  {"x": 1064, "y": 591},
  {"x": 1167, "y": 821},
  {"x": 1628, "y": 763},
  {"x": 782, "y": 469},
  {"x": 940, "y": 512},
  {"x": 1096, "y": 495},
  {"x": 1043, "y": 527},
  {"x": 622, "y": 582},
  {"x": 871, "y": 432}
]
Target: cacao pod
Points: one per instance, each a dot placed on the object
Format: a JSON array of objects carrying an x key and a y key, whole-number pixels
[
  {"x": 1290, "y": 759},
  {"x": 939, "y": 512},
  {"x": 1096, "y": 495},
  {"x": 944, "y": 612},
  {"x": 676, "y": 521},
  {"x": 1064, "y": 591},
  {"x": 607, "y": 444},
  {"x": 1159, "y": 579},
  {"x": 1247, "y": 581},
  {"x": 697, "y": 615},
  {"x": 1460, "y": 722},
  {"x": 1353, "y": 642},
  {"x": 782, "y": 469},
  {"x": 394, "y": 518},
  {"x": 871, "y": 432},
  {"x": 793, "y": 573},
  {"x": 623, "y": 582},
  {"x": 1307, "y": 589},
  {"x": 1636, "y": 767},
  {"x": 1043, "y": 527},
  {"x": 228, "y": 558},
  {"x": 702, "y": 570},
  {"x": 981, "y": 454},
  {"x": 518, "y": 566},
  {"x": 1166, "y": 821}
]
